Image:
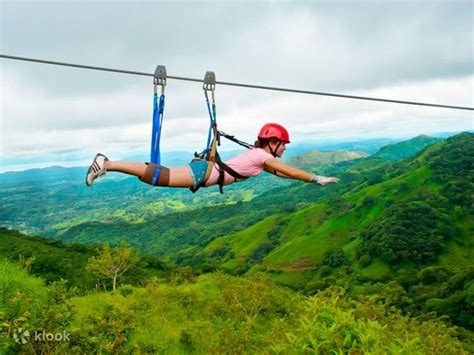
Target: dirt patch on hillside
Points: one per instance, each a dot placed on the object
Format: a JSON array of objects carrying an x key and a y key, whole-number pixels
[{"x": 304, "y": 263}]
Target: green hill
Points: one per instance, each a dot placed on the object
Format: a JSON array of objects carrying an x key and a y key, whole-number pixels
[
  {"x": 51, "y": 259},
  {"x": 428, "y": 184},
  {"x": 410, "y": 218},
  {"x": 401, "y": 150},
  {"x": 54, "y": 260}
]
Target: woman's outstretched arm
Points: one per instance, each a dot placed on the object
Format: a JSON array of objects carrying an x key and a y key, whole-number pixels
[{"x": 280, "y": 169}]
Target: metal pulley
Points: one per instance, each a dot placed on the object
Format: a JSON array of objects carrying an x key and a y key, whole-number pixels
[{"x": 160, "y": 78}]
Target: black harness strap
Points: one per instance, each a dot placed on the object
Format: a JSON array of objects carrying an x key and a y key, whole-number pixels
[
  {"x": 224, "y": 168},
  {"x": 233, "y": 139}
]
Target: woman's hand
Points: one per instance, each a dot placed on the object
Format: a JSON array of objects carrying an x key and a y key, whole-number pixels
[{"x": 323, "y": 180}]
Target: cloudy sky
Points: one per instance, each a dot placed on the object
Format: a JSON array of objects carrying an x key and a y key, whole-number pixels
[{"x": 406, "y": 50}]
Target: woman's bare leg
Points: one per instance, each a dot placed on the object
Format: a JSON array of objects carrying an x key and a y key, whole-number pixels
[
  {"x": 130, "y": 168},
  {"x": 179, "y": 176}
]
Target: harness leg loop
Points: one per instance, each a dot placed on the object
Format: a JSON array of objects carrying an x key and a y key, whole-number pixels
[{"x": 156, "y": 175}]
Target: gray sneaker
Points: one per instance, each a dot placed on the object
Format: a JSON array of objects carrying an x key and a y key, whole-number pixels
[{"x": 97, "y": 168}]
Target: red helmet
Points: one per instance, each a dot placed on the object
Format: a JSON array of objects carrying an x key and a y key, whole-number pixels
[{"x": 274, "y": 130}]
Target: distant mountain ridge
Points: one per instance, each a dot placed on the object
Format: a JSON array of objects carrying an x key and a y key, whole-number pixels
[
  {"x": 314, "y": 159},
  {"x": 369, "y": 146}
]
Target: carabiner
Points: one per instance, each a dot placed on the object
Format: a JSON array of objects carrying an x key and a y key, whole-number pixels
[{"x": 209, "y": 81}]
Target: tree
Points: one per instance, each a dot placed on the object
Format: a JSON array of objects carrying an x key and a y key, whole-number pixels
[
  {"x": 415, "y": 229},
  {"x": 110, "y": 263}
]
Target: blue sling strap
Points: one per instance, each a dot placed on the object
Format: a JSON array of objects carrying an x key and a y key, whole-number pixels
[
  {"x": 210, "y": 85},
  {"x": 158, "y": 110}
]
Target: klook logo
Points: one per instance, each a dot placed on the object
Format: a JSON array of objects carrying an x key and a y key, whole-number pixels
[
  {"x": 43, "y": 336},
  {"x": 20, "y": 336}
]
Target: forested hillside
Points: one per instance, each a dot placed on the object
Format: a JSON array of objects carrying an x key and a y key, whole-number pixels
[
  {"x": 367, "y": 188},
  {"x": 407, "y": 223},
  {"x": 49, "y": 201},
  {"x": 380, "y": 223},
  {"x": 367, "y": 265},
  {"x": 207, "y": 314},
  {"x": 53, "y": 260}
]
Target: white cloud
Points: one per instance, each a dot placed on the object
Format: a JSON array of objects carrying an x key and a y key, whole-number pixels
[
  {"x": 36, "y": 123},
  {"x": 417, "y": 52}
]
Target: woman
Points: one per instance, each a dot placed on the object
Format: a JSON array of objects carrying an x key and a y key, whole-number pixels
[{"x": 271, "y": 144}]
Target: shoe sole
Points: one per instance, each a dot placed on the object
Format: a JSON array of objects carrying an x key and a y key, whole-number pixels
[{"x": 90, "y": 167}]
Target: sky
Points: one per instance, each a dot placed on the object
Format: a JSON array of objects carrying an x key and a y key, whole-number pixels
[{"x": 403, "y": 50}]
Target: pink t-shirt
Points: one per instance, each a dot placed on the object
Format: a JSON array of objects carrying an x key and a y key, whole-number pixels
[{"x": 249, "y": 163}]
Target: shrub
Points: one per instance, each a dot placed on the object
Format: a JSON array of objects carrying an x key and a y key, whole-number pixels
[
  {"x": 336, "y": 259},
  {"x": 329, "y": 323},
  {"x": 368, "y": 201},
  {"x": 432, "y": 274},
  {"x": 22, "y": 297},
  {"x": 365, "y": 260}
]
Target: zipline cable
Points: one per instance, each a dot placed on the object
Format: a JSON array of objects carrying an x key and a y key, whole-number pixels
[{"x": 240, "y": 85}]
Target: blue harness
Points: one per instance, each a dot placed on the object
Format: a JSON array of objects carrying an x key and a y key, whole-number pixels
[
  {"x": 158, "y": 109},
  {"x": 155, "y": 156}
]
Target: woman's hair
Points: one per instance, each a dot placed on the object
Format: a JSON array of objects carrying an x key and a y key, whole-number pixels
[{"x": 262, "y": 143}]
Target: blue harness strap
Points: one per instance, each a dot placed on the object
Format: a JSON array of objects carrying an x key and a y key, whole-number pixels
[
  {"x": 212, "y": 117},
  {"x": 155, "y": 156}
]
